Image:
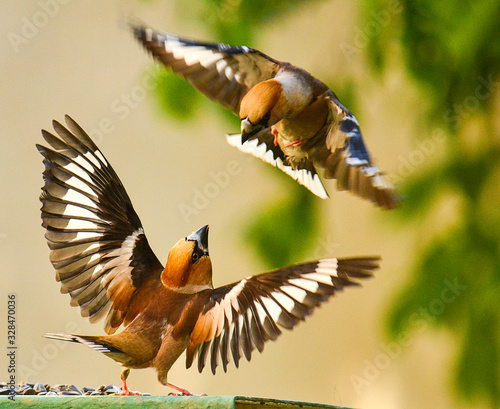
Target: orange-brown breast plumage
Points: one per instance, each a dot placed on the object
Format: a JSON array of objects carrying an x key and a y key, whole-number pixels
[{"x": 104, "y": 262}]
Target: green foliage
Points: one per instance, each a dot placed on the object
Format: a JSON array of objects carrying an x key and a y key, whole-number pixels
[
  {"x": 286, "y": 229},
  {"x": 237, "y": 21},
  {"x": 447, "y": 45},
  {"x": 441, "y": 265},
  {"x": 234, "y": 22},
  {"x": 175, "y": 96},
  {"x": 452, "y": 49},
  {"x": 477, "y": 376}
]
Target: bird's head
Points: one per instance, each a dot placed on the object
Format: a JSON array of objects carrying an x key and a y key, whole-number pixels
[
  {"x": 189, "y": 268},
  {"x": 261, "y": 107}
]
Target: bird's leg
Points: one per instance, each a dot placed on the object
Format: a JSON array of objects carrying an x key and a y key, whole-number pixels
[
  {"x": 126, "y": 390},
  {"x": 275, "y": 133},
  {"x": 182, "y": 390},
  {"x": 298, "y": 142}
]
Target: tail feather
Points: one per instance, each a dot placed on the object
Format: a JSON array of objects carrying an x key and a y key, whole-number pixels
[
  {"x": 62, "y": 337},
  {"x": 96, "y": 343}
]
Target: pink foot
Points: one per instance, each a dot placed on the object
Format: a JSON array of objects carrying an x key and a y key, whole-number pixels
[
  {"x": 275, "y": 133},
  {"x": 299, "y": 142},
  {"x": 183, "y": 391},
  {"x": 127, "y": 392}
]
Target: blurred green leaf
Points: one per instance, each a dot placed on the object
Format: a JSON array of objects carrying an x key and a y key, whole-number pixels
[
  {"x": 469, "y": 171},
  {"x": 233, "y": 121},
  {"x": 285, "y": 230},
  {"x": 452, "y": 48},
  {"x": 477, "y": 368},
  {"x": 439, "y": 272},
  {"x": 175, "y": 96},
  {"x": 419, "y": 194}
]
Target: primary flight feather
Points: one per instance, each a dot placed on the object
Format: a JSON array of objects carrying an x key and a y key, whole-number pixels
[
  {"x": 103, "y": 260},
  {"x": 288, "y": 118}
]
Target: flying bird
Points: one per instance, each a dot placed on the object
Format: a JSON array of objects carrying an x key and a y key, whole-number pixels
[
  {"x": 103, "y": 260},
  {"x": 288, "y": 118}
]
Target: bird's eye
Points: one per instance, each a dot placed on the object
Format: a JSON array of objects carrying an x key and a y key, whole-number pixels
[{"x": 195, "y": 257}]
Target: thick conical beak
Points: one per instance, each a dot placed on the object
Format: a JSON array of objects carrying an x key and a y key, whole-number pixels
[
  {"x": 201, "y": 238},
  {"x": 248, "y": 129}
]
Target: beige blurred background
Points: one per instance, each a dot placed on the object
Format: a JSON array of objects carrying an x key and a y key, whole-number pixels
[{"x": 83, "y": 62}]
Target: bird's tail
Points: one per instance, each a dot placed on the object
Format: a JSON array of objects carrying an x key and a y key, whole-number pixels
[
  {"x": 96, "y": 343},
  {"x": 62, "y": 337},
  {"x": 99, "y": 344}
]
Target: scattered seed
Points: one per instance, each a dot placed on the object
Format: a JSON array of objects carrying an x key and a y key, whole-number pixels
[{"x": 41, "y": 389}]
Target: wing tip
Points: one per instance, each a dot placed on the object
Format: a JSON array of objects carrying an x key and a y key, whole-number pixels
[{"x": 138, "y": 29}]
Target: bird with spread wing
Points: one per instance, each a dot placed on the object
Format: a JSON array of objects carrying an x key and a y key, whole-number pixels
[
  {"x": 103, "y": 260},
  {"x": 288, "y": 118}
]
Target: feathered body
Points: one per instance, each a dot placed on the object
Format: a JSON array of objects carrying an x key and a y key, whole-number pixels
[
  {"x": 288, "y": 118},
  {"x": 104, "y": 262}
]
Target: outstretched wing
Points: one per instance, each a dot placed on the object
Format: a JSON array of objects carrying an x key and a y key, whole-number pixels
[
  {"x": 97, "y": 242},
  {"x": 222, "y": 72},
  {"x": 242, "y": 316},
  {"x": 344, "y": 157},
  {"x": 262, "y": 146}
]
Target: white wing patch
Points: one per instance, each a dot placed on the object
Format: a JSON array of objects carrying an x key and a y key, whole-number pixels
[
  {"x": 77, "y": 211},
  {"x": 73, "y": 168},
  {"x": 76, "y": 197},
  {"x": 302, "y": 176},
  {"x": 73, "y": 181},
  {"x": 273, "y": 309},
  {"x": 194, "y": 54},
  {"x": 294, "y": 292},
  {"x": 284, "y": 301},
  {"x": 308, "y": 285},
  {"x": 253, "y": 310}
]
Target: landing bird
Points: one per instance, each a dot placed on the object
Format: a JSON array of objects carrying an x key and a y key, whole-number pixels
[
  {"x": 104, "y": 262},
  {"x": 288, "y": 118}
]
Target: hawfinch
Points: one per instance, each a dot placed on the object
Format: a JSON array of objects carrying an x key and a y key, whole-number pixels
[
  {"x": 104, "y": 262},
  {"x": 288, "y": 118}
]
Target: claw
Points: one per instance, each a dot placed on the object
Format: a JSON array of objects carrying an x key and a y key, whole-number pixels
[
  {"x": 182, "y": 391},
  {"x": 125, "y": 389},
  {"x": 299, "y": 142}
]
